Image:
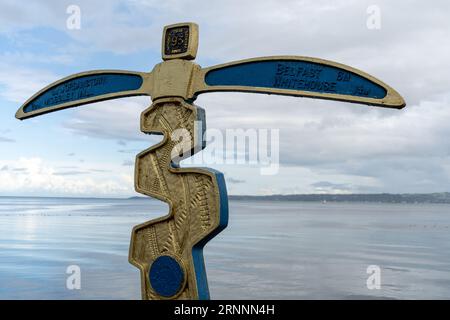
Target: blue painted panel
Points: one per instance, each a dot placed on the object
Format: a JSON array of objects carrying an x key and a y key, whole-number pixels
[
  {"x": 295, "y": 75},
  {"x": 84, "y": 87},
  {"x": 197, "y": 250}
]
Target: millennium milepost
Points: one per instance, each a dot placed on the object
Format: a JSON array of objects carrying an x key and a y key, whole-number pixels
[{"x": 169, "y": 250}]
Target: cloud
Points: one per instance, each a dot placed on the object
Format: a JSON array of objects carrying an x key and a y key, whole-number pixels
[
  {"x": 329, "y": 187},
  {"x": 41, "y": 178},
  {"x": 122, "y": 143},
  {"x": 69, "y": 173},
  {"x": 343, "y": 144},
  {"x": 405, "y": 151},
  {"x": 128, "y": 163},
  {"x": 4, "y": 139},
  {"x": 19, "y": 83},
  {"x": 117, "y": 26},
  {"x": 99, "y": 170},
  {"x": 129, "y": 151},
  {"x": 235, "y": 181},
  {"x": 113, "y": 119},
  {"x": 32, "y": 15}
]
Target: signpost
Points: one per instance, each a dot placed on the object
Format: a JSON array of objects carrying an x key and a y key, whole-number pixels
[{"x": 169, "y": 250}]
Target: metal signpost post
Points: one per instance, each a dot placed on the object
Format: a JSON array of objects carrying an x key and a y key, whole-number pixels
[{"x": 169, "y": 251}]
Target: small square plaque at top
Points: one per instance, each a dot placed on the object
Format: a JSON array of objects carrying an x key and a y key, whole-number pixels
[{"x": 180, "y": 41}]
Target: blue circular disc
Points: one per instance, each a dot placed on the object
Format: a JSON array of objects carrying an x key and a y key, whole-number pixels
[{"x": 166, "y": 276}]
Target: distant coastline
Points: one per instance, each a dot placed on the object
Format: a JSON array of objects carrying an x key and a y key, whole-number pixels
[
  {"x": 442, "y": 197},
  {"x": 439, "y": 197}
]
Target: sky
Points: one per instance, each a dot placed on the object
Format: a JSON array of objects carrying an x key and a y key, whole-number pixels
[{"x": 324, "y": 146}]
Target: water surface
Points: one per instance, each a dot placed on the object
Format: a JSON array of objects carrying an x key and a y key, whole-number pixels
[{"x": 270, "y": 250}]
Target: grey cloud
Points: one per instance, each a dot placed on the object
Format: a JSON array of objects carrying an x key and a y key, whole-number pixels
[
  {"x": 235, "y": 181},
  {"x": 129, "y": 151},
  {"x": 335, "y": 31},
  {"x": 4, "y": 139},
  {"x": 19, "y": 82},
  {"x": 327, "y": 184},
  {"x": 128, "y": 163},
  {"x": 329, "y": 187},
  {"x": 400, "y": 151},
  {"x": 99, "y": 170},
  {"x": 96, "y": 24},
  {"x": 115, "y": 120},
  {"x": 70, "y": 173}
]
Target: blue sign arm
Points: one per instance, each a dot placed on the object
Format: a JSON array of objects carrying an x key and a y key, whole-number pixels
[
  {"x": 83, "y": 88},
  {"x": 299, "y": 76}
]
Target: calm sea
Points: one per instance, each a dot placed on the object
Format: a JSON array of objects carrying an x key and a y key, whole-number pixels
[{"x": 270, "y": 250}]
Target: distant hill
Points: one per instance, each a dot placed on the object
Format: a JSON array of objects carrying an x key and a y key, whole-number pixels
[
  {"x": 443, "y": 197},
  {"x": 137, "y": 198}
]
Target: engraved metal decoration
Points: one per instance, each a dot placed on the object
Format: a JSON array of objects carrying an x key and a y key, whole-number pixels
[
  {"x": 169, "y": 250},
  {"x": 198, "y": 205}
]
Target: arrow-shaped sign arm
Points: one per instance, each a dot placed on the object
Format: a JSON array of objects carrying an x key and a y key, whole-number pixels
[
  {"x": 298, "y": 76},
  {"x": 83, "y": 88}
]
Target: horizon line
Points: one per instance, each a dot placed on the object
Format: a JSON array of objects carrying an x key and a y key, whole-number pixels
[{"x": 231, "y": 195}]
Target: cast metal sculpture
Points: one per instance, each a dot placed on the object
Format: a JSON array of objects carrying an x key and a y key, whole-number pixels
[{"x": 169, "y": 251}]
